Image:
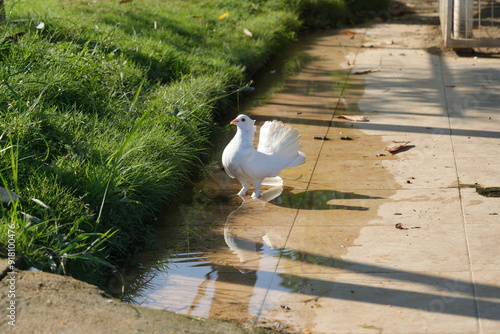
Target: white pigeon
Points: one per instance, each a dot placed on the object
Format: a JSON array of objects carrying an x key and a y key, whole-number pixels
[{"x": 278, "y": 149}]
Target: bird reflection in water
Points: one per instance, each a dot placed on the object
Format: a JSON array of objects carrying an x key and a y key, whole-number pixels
[{"x": 247, "y": 241}]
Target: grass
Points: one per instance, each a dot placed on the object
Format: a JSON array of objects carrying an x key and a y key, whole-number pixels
[{"x": 109, "y": 109}]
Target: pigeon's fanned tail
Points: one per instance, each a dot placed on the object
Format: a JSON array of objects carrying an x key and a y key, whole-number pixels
[{"x": 279, "y": 139}]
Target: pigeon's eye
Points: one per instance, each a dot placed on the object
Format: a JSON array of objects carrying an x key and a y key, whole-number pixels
[{"x": 243, "y": 119}]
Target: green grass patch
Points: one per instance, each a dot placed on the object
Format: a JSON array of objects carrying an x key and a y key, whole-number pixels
[{"x": 108, "y": 109}]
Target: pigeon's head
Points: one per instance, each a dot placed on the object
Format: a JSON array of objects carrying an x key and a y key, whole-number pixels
[{"x": 243, "y": 122}]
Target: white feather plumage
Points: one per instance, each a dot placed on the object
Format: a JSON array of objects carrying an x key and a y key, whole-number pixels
[{"x": 278, "y": 149}]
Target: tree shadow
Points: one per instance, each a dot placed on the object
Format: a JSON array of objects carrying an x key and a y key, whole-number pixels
[{"x": 319, "y": 200}]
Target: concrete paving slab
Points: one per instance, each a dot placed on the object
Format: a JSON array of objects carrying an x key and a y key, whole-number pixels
[
  {"x": 483, "y": 171},
  {"x": 479, "y": 209},
  {"x": 360, "y": 148},
  {"x": 402, "y": 63},
  {"x": 384, "y": 248},
  {"x": 426, "y": 123},
  {"x": 484, "y": 246},
  {"x": 433, "y": 173},
  {"x": 374, "y": 303},
  {"x": 470, "y": 146},
  {"x": 484, "y": 124},
  {"x": 425, "y": 208}
]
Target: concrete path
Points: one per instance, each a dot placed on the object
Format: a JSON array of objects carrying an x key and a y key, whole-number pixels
[{"x": 361, "y": 240}]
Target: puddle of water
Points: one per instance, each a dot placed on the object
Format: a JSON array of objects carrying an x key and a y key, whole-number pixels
[
  {"x": 230, "y": 281},
  {"x": 483, "y": 191},
  {"x": 489, "y": 191},
  {"x": 226, "y": 281}
]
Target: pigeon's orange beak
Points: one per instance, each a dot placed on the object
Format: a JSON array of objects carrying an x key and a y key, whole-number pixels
[{"x": 233, "y": 121}]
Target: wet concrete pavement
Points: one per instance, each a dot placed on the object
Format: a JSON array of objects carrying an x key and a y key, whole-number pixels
[{"x": 360, "y": 240}]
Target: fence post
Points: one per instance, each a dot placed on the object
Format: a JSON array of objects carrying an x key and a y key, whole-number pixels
[{"x": 462, "y": 18}]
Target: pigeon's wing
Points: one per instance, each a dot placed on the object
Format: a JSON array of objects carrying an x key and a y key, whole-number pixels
[
  {"x": 229, "y": 173},
  {"x": 241, "y": 166},
  {"x": 234, "y": 169}
]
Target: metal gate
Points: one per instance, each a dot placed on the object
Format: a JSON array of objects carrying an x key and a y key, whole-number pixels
[{"x": 470, "y": 23}]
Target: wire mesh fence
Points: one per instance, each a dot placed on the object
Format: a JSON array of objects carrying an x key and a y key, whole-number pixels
[{"x": 470, "y": 23}]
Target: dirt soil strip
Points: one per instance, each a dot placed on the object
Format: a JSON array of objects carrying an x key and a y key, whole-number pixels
[{"x": 48, "y": 303}]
